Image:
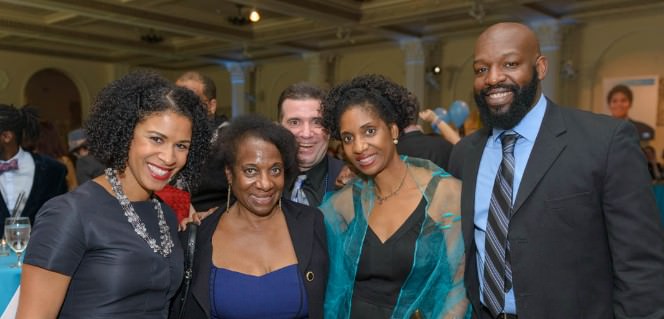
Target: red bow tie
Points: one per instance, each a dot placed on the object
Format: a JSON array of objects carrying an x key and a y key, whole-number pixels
[{"x": 9, "y": 166}]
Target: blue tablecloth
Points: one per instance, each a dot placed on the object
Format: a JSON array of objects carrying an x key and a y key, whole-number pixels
[
  {"x": 9, "y": 279},
  {"x": 659, "y": 197}
]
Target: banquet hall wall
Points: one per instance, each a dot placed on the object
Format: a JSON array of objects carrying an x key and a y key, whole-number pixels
[{"x": 615, "y": 46}]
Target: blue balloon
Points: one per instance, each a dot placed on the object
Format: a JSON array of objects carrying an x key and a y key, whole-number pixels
[
  {"x": 443, "y": 115},
  {"x": 458, "y": 112}
]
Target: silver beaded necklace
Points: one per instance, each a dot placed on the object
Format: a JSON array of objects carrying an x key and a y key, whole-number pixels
[{"x": 135, "y": 220}]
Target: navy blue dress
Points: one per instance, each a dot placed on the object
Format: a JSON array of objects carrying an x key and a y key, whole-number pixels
[
  {"x": 85, "y": 235},
  {"x": 278, "y": 294}
]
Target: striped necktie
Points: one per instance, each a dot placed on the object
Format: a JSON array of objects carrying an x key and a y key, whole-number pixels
[
  {"x": 497, "y": 270},
  {"x": 298, "y": 195}
]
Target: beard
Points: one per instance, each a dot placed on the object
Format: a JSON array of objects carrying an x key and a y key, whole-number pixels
[{"x": 523, "y": 100}]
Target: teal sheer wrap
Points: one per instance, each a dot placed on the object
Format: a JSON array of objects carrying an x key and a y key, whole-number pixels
[{"x": 434, "y": 288}]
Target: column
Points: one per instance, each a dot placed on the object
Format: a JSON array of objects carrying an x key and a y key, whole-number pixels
[
  {"x": 238, "y": 72},
  {"x": 549, "y": 35},
  {"x": 317, "y": 65},
  {"x": 415, "y": 67}
]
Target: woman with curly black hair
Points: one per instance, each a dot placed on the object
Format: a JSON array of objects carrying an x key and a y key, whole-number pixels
[
  {"x": 263, "y": 256},
  {"x": 394, "y": 233},
  {"x": 110, "y": 248}
]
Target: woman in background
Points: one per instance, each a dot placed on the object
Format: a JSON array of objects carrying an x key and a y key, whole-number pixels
[
  {"x": 109, "y": 249},
  {"x": 263, "y": 256},
  {"x": 619, "y": 100},
  {"x": 394, "y": 233},
  {"x": 50, "y": 144}
]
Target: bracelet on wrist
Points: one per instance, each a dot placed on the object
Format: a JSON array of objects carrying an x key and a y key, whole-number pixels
[{"x": 436, "y": 121}]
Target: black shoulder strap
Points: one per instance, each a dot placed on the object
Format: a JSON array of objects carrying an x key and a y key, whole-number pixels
[{"x": 188, "y": 265}]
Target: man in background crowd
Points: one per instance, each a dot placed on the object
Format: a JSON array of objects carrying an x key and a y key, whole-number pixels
[
  {"x": 213, "y": 186},
  {"x": 37, "y": 178},
  {"x": 87, "y": 167},
  {"x": 299, "y": 110},
  {"x": 206, "y": 90},
  {"x": 413, "y": 142}
]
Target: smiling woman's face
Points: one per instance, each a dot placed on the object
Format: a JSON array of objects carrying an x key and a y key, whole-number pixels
[
  {"x": 619, "y": 105},
  {"x": 257, "y": 177},
  {"x": 367, "y": 140},
  {"x": 157, "y": 152}
]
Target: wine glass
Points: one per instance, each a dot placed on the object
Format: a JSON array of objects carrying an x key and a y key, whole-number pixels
[{"x": 17, "y": 234}]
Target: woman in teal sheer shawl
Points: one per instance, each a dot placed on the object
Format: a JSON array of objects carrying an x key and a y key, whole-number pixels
[{"x": 394, "y": 233}]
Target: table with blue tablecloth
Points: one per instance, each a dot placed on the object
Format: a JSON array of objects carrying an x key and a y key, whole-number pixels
[
  {"x": 9, "y": 279},
  {"x": 658, "y": 189}
]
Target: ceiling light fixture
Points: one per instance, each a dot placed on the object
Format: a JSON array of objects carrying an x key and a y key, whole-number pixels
[
  {"x": 254, "y": 16},
  {"x": 152, "y": 37},
  {"x": 242, "y": 18}
]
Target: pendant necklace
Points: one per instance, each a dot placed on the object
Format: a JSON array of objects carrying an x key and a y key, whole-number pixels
[
  {"x": 381, "y": 199},
  {"x": 139, "y": 227}
]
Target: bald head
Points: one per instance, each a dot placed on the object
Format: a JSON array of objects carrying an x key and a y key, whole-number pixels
[
  {"x": 508, "y": 69},
  {"x": 520, "y": 36}
]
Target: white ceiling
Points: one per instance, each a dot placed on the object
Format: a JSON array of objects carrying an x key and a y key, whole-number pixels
[{"x": 195, "y": 33}]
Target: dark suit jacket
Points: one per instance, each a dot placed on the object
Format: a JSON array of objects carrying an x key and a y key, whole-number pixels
[
  {"x": 49, "y": 181},
  {"x": 585, "y": 236},
  {"x": 307, "y": 232},
  {"x": 433, "y": 148}
]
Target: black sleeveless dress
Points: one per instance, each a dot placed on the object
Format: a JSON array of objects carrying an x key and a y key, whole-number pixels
[{"x": 384, "y": 267}]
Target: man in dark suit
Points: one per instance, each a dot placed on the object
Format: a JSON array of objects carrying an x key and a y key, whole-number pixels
[
  {"x": 212, "y": 188},
  {"x": 414, "y": 143},
  {"x": 558, "y": 216},
  {"x": 39, "y": 178},
  {"x": 299, "y": 111}
]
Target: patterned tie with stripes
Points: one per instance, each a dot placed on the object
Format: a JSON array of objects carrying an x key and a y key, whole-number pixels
[
  {"x": 497, "y": 270},
  {"x": 298, "y": 194}
]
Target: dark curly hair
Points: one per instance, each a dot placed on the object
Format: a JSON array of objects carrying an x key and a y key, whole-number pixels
[
  {"x": 391, "y": 101},
  {"x": 226, "y": 148},
  {"x": 129, "y": 100},
  {"x": 23, "y": 122}
]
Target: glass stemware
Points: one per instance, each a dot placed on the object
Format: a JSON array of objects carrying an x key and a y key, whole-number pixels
[{"x": 17, "y": 234}]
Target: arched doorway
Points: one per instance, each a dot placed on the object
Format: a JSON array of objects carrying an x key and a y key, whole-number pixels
[{"x": 57, "y": 98}]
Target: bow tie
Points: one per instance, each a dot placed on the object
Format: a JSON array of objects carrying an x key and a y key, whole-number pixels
[{"x": 9, "y": 166}]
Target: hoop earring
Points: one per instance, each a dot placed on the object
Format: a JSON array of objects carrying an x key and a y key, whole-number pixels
[
  {"x": 280, "y": 204},
  {"x": 228, "y": 198}
]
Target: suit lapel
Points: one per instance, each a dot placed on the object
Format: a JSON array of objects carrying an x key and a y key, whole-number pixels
[
  {"x": 3, "y": 208},
  {"x": 300, "y": 227},
  {"x": 548, "y": 146},
  {"x": 36, "y": 181},
  {"x": 200, "y": 285}
]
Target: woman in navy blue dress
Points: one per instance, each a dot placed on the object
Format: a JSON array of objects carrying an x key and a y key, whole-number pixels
[
  {"x": 109, "y": 248},
  {"x": 262, "y": 256}
]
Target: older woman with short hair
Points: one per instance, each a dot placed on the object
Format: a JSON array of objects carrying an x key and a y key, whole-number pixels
[{"x": 262, "y": 256}]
